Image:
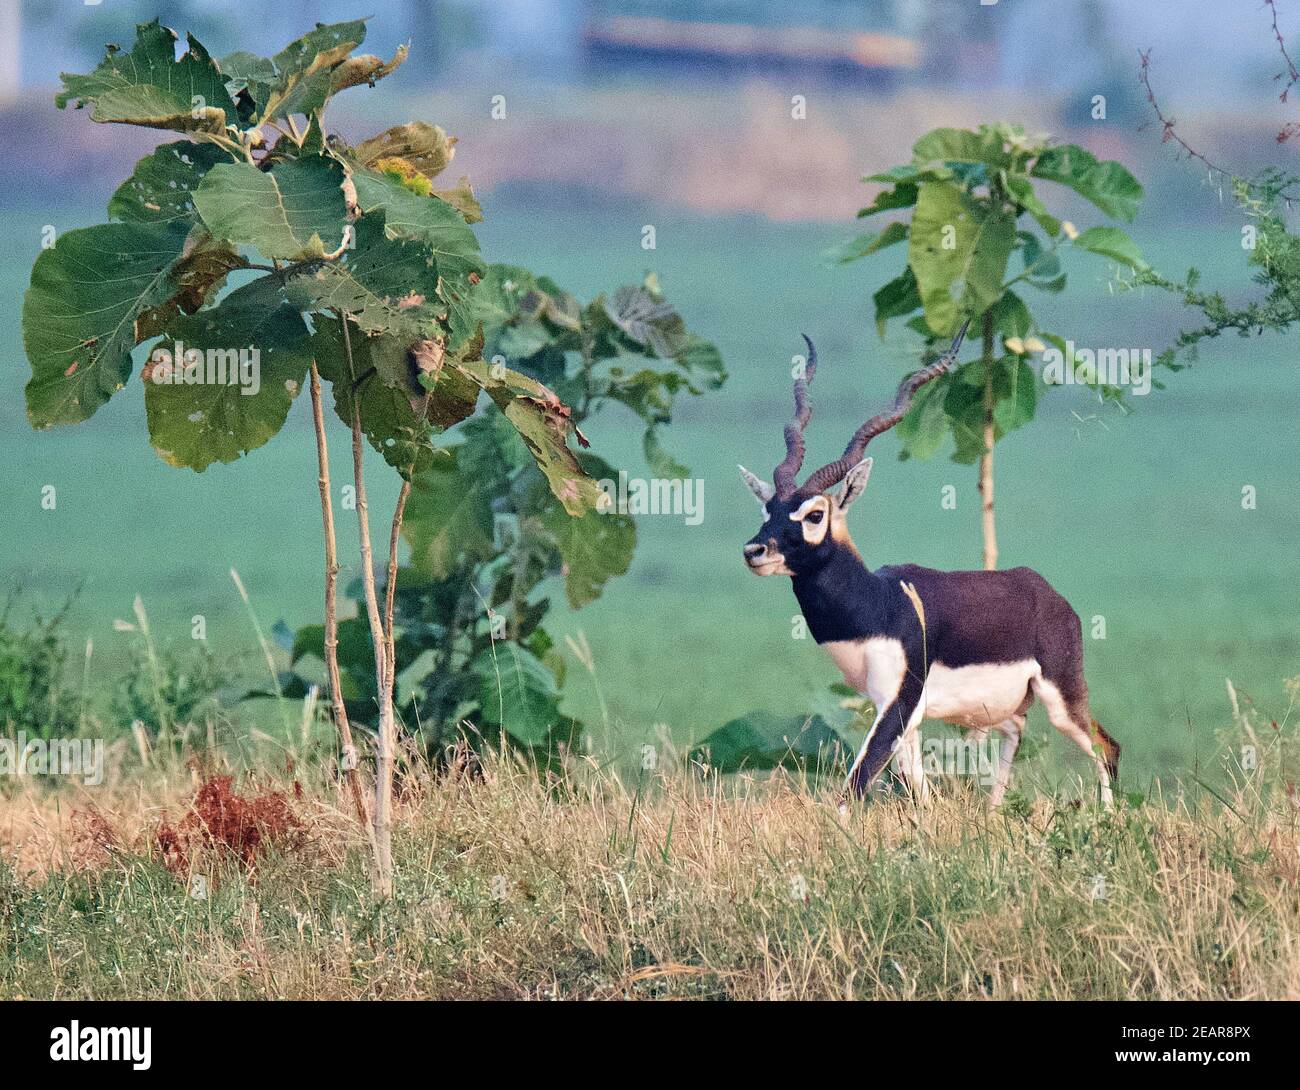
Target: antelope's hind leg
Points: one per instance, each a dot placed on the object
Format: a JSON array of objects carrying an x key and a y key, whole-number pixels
[
  {"x": 1072, "y": 718},
  {"x": 1011, "y": 730}
]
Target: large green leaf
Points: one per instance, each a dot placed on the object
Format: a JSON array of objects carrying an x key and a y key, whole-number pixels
[
  {"x": 961, "y": 146},
  {"x": 1106, "y": 184},
  {"x": 301, "y": 53},
  {"x": 702, "y": 361},
  {"x": 1015, "y": 399},
  {"x": 161, "y": 188},
  {"x": 958, "y": 251},
  {"x": 1011, "y": 317},
  {"x": 1114, "y": 243},
  {"x": 1021, "y": 190},
  {"x": 595, "y": 547},
  {"x": 247, "y": 72},
  {"x": 448, "y": 517},
  {"x": 647, "y": 319},
  {"x": 79, "y": 315},
  {"x": 902, "y": 195},
  {"x": 296, "y": 210},
  {"x": 518, "y": 316},
  {"x": 492, "y": 304},
  {"x": 149, "y": 86},
  {"x": 1042, "y": 267},
  {"x": 356, "y": 656},
  {"x": 964, "y": 405},
  {"x": 763, "y": 740},
  {"x": 201, "y": 414},
  {"x": 517, "y": 692},
  {"x": 423, "y": 219}
]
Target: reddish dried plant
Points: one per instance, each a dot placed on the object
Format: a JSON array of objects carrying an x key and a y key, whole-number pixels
[{"x": 221, "y": 820}]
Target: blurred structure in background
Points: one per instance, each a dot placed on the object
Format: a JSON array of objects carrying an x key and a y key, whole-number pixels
[
  {"x": 604, "y": 93},
  {"x": 837, "y": 39},
  {"x": 1034, "y": 45}
]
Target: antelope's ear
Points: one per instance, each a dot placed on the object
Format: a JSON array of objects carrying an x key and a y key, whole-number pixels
[
  {"x": 761, "y": 489},
  {"x": 855, "y": 483}
]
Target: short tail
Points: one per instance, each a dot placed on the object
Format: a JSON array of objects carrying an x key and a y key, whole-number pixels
[{"x": 1109, "y": 749}]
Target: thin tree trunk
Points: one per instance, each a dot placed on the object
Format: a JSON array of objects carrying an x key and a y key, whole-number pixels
[
  {"x": 383, "y": 811},
  {"x": 390, "y": 589},
  {"x": 989, "y": 525},
  {"x": 348, "y": 749}
]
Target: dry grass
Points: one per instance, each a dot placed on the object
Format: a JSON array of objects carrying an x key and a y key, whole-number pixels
[{"x": 685, "y": 887}]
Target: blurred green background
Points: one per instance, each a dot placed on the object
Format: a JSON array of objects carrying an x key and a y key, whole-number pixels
[{"x": 1135, "y": 518}]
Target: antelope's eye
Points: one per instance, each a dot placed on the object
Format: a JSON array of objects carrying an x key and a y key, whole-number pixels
[{"x": 814, "y": 517}]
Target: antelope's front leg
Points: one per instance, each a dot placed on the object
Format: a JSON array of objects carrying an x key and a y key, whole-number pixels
[
  {"x": 910, "y": 766},
  {"x": 883, "y": 739}
]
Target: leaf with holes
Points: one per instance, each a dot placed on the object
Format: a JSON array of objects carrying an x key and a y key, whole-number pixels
[
  {"x": 252, "y": 357},
  {"x": 387, "y": 285},
  {"x": 544, "y": 424},
  {"x": 161, "y": 188},
  {"x": 302, "y": 76},
  {"x": 148, "y": 86},
  {"x": 80, "y": 312}
]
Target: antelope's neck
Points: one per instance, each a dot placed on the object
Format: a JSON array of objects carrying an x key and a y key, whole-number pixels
[{"x": 843, "y": 599}]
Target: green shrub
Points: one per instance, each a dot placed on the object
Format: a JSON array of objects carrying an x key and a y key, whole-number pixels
[{"x": 34, "y": 698}]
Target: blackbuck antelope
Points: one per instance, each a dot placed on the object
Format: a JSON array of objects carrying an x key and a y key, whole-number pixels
[{"x": 969, "y": 647}]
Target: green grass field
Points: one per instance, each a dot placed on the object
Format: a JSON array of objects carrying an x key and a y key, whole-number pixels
[{"x": 1136, "y": 519}]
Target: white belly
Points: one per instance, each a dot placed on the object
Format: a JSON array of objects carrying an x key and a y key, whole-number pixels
[
  {"x": 977, "y": 696},
  {"x": 970, "y": 696}
]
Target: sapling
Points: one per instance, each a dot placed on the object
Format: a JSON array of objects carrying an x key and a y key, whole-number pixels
[{"x": 277, "y": 254}]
